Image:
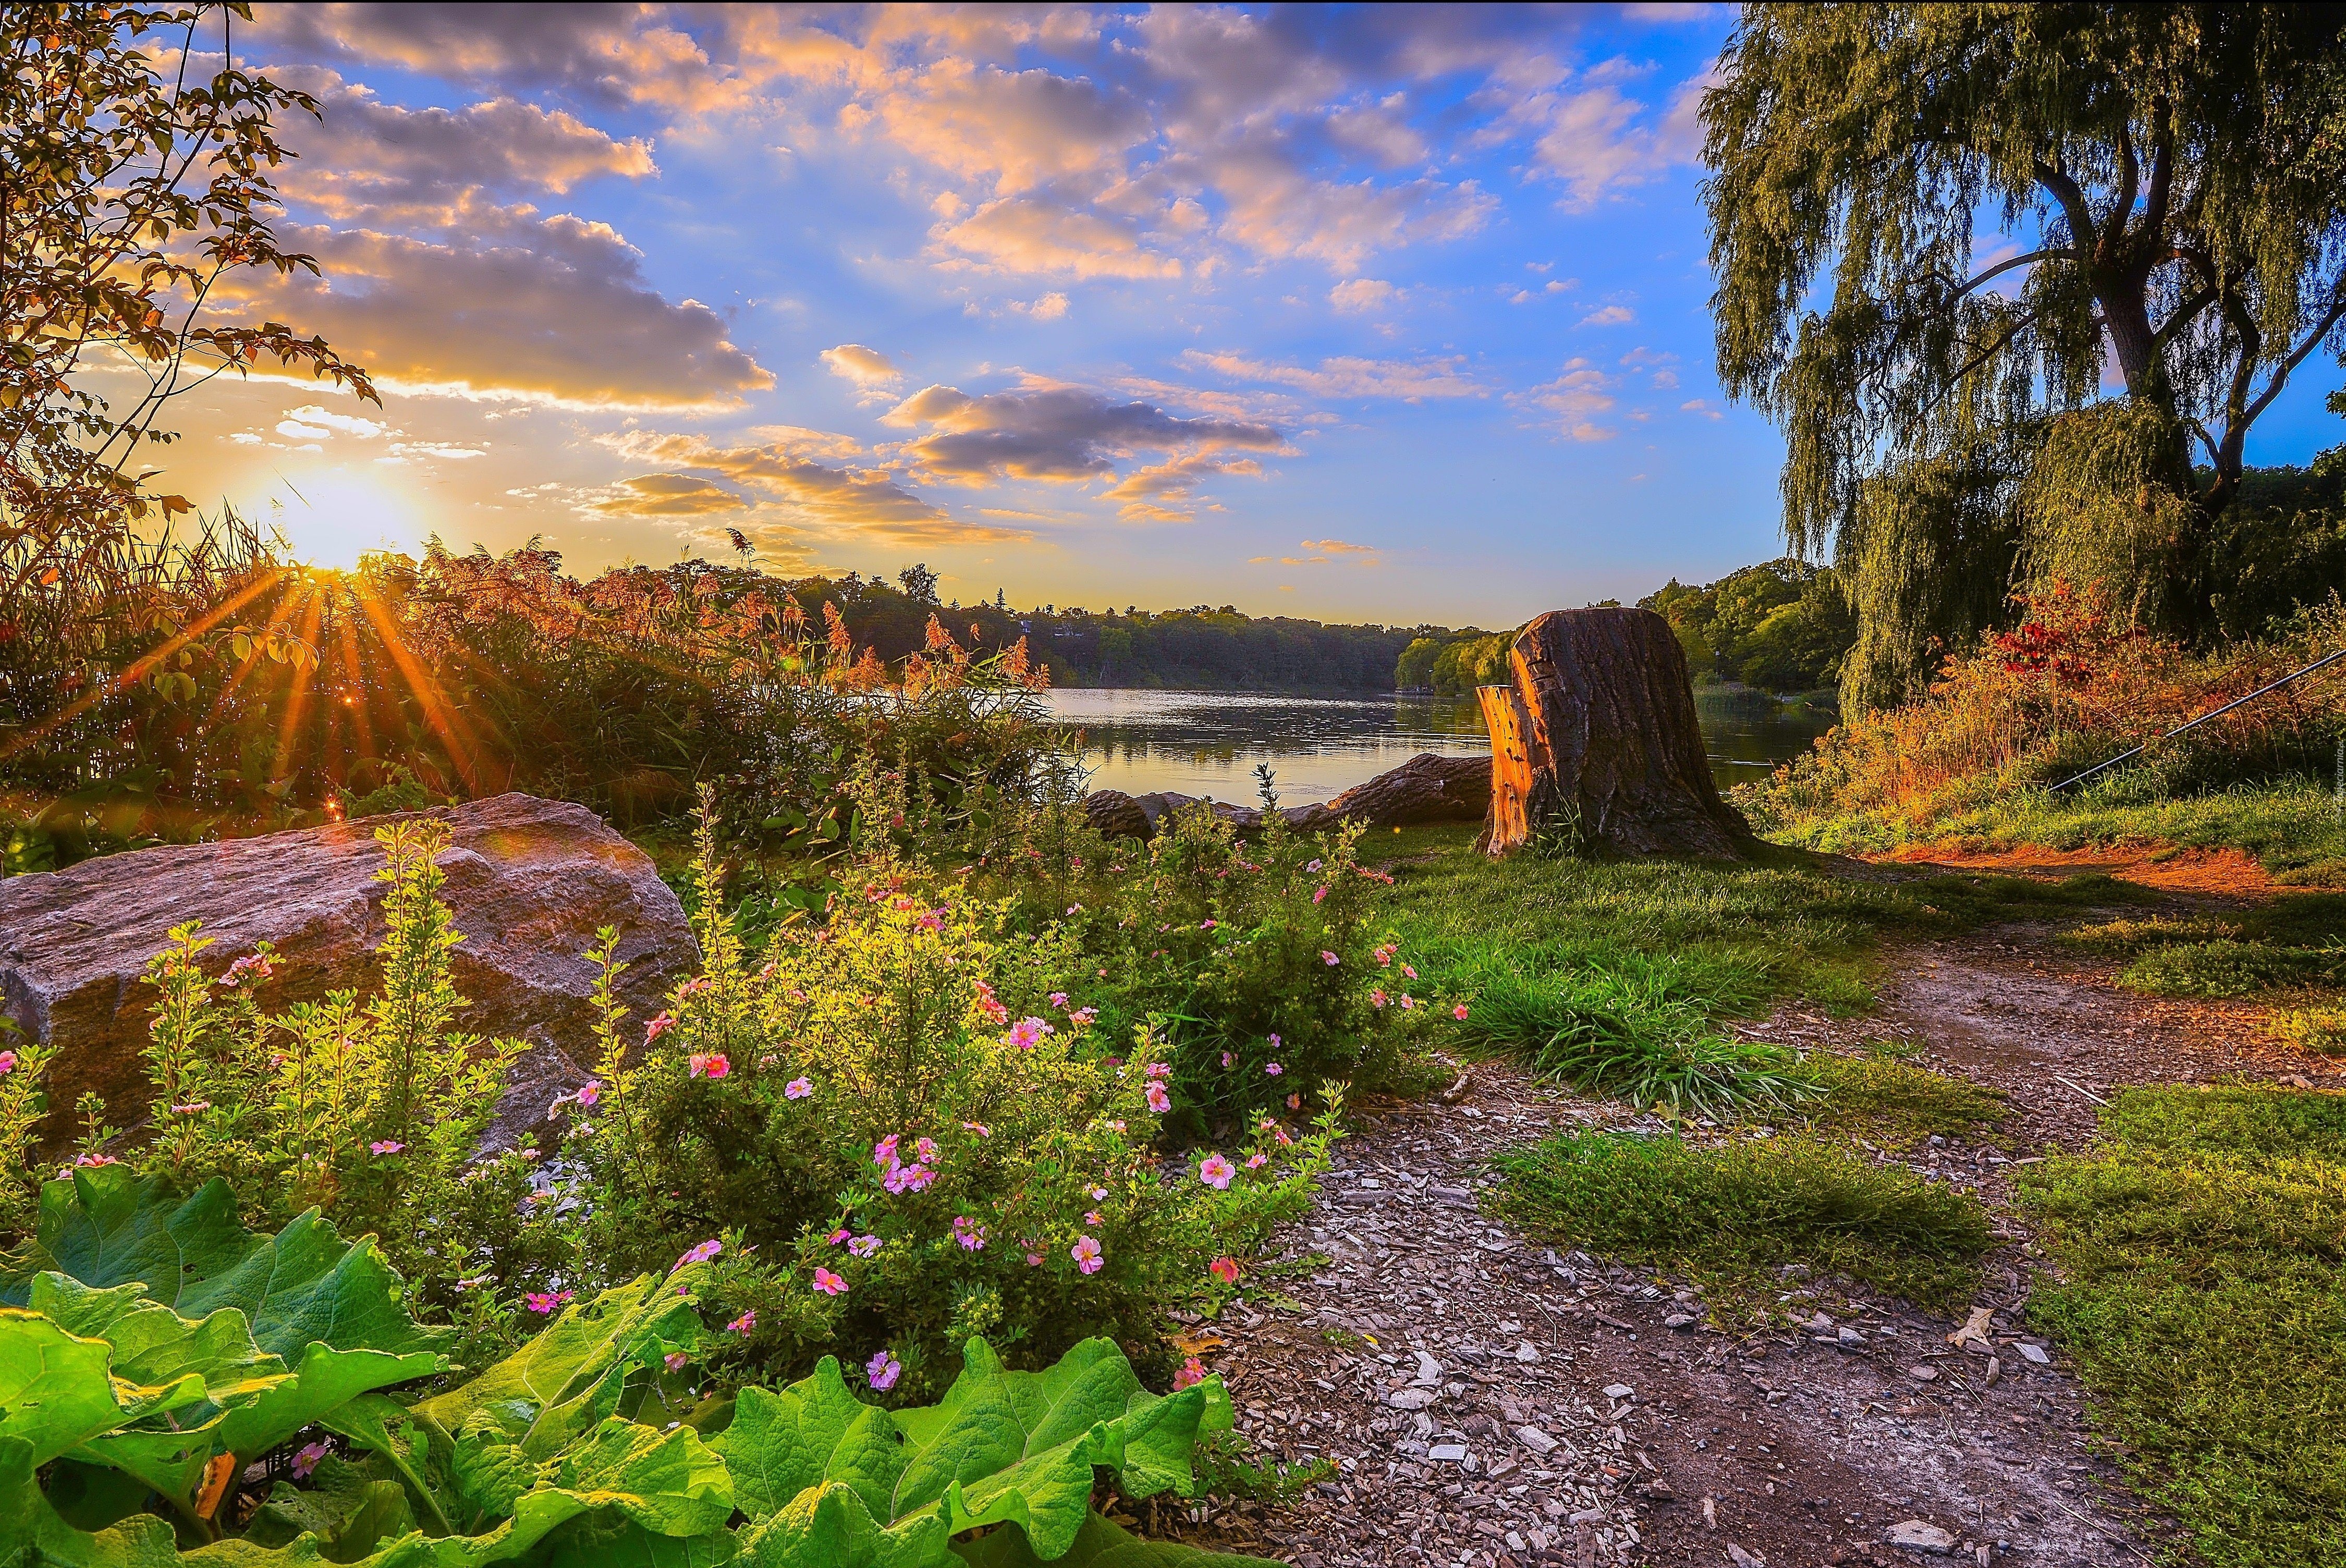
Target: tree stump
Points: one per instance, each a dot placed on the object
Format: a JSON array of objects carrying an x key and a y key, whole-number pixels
[{"x": 1595, "y": 738}]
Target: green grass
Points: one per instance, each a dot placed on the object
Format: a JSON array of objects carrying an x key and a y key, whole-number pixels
[
  {"x": 2201, "y": 1251},
  {"x": 2295, "y": 828},
  {"x": 1731, "y": 1217},
  {"x": 2318, "y": 1029},
  {"x": 1619, "y": 976},
  {"x": 2287, "y": 942},
  {"x": 1893, "y": 1103}
]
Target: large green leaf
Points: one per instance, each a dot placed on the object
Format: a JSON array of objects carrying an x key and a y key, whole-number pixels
[
  {"x": 830, "y": 1525},
  {"x": 150, "y": 1343},
  {"x": 31, "y": 1534},
  {"x": 304, "y": 1286},
  {"x": 569, "y": 1376},
  {"x": 813, "y": 1433},
  {"x": 1100, "y": 1544},
  {"x": 1020, "y": 1447},
  {"x": 55, "y": 1390},
  {"x": 345, "y": 1510}
]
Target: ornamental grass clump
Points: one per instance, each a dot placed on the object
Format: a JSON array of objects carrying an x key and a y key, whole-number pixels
[{"x": 885, "y": 1140}]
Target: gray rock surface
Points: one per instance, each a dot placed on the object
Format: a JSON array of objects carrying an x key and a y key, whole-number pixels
[{"x": 528, "y": 882}]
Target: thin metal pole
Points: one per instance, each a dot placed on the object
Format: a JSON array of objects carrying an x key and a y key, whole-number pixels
[{"x": 2216, "y": 713}]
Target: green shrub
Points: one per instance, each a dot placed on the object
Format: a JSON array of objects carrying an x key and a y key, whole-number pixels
[
  {"x": 2201, "y": 1286},
  {"x": 1730, "y": 1216},
  {"x": 1893, "y": 1103},
  {"x": 898, "y": 1141},
  {"x": 2318, "y": 1029},
  {"x": 593, "y": 1443},
  {"x": 2221, "y": 968},
  {"x": 1261, "y": 963},
  {"x": 2130, "y": 938}
]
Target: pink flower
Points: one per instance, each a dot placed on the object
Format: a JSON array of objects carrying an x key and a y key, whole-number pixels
[
  {"x": 1034, "y": 1261},
  {"x": 988, "y": 1007},
  {"x": 700, "y": 1252},
  {"x": 1385, "y": 955},
  {"x": 927, "y": 1149},
  {"x": 1407, "y": 1002},
  {"x": 674, "y": 1360},
  {"x": 1320, "y": 895},
  {"x": 1227, "y": 1058},
  {"x": 864, "y": 1246},
  {"x": 934, "y": 921},
  {"x": 883, "y": 1153},
  {"x": 306, "y": 1458},
  {"x": 1408, "y": 971},
  {"x": 1157, "y": 1070},
  {"x": 252, "y": 963},
  {"x": 659, "y": 1026},
  {"x": 1116, "y": 1126},
  {"x": 745, "y": 1325},
  {"x": 883, "y": 1371},
  {"x": 543, "y": 1302},
  {"x": 1208, "y": 925},
  {"x": 1256, "y": 1162},
  {"x": 1294, "y": 1102},
  {"x": 1059, "y": 1000},
  {"x": 1274, "y": 1041},
  {"x": 386, "y": 1147},
  {"x": 908, "y": 1179},
  {"x": 1215, "y": 1172},
  {"x": 1192, "y": 1373},
  {"x": 969, "y": 1233},
  {"x": 1459, "y": 1012},
  {"x": 707, "y": 1064},
  {"x": 1093, "y": 1217},
  {"x": 830, "y": 1284},
  {"x": 1099, "y": 1194},
  {"x": 1328, "y": 958},
  {"x": 798, "y": 1088},
  {"x": 1082, "y": 1017},
  {"x": 980, "y": 1128},
  {"x": 1086, "y": 1254},
  {"x": 1312, "y": 867},
  {"x": 1027, "y": 1033},
  {"x": 836, "y": 1236},
  {"x": 589, "y": 1092},
  {"x": 1225, "y": 1269},
  {"x": 7, "y": 1062},
  {"x": 1378, "y": 998},
  {"x": 1159, "y": 1100},
  {"x": 192, "y": 1108},
  {"x": 1272, "y": 1069}
]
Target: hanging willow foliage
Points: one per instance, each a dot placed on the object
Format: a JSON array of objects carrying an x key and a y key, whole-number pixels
[{"x": 1933, "y": 227}]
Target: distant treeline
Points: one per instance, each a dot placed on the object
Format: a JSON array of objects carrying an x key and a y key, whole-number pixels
[
  {"x": 1200, "y": 648},
  {"x": 1781, "y": 626}
]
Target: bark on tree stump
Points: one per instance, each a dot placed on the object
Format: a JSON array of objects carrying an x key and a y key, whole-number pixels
[{"x": 1595, "y": 738}]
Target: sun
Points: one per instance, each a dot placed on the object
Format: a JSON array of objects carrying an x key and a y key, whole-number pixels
[{"x": 331, "y": 519}]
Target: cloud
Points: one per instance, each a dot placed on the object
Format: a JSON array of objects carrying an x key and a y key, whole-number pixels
[
  {"x": 1338, "y": 548},
  {"x": 1014, "y": 130},
  {"x": 1697, "y": 405},
  {"x": 315, "y": 421},
  {"x": 1047, "y": 431},
  {"x": 1160, "y": 493},
  {"x": 1362, "y": 294},
  {"x": 1325, "y": 552},
  {"x": 1022, "y": 234},
  {"x": 1610, "y": 316},
  {"x": 1349, "y": 378},
  {"x": 873, "y": 372},
  {"x": 384, "y": 164},
  {"x": 553, "y": 310},
  {"x": 666, "y": 495},
  {"x": 1594, "y": 143},
  {"x": 1574, "y": 402},
  {"x": 793, "y": 489}
]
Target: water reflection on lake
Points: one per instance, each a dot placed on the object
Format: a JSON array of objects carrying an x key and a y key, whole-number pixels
[{"x": 1208, "y": 742}]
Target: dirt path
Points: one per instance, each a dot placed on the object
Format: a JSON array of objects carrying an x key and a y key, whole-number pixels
[{"x": 1490, "y": 1402}]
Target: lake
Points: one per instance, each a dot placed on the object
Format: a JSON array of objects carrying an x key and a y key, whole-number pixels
[{"x": 1210, "y": 742}]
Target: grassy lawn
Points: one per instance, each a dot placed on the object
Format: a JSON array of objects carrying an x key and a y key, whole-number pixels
[
  {"x": 1619, "y": 975},
  {"x": 2201, "y": 1288},
  {"x": 1729, "y": 1217},
  {"x": 2297, "y": 830}
]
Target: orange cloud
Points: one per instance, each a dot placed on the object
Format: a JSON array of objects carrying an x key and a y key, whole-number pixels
[
  {"x": 1344, "y": 377},
  {"x": 1023, "y": 234},
  {"x": 1065, "y": 434}
]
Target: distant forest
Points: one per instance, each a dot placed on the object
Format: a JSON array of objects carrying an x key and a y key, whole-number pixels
[
  {"x": 1782, "y": 627},
  {"x": 1200, "y": 648}
]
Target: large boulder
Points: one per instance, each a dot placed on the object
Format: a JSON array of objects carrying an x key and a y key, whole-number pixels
[{"x": 529, "y": 883}]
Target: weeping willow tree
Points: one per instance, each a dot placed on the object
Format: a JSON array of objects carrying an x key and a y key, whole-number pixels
[{"x": 1940, "y": 231}]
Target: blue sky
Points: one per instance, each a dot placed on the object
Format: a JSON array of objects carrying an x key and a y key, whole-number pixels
[{"x": 1388, "y": 313}]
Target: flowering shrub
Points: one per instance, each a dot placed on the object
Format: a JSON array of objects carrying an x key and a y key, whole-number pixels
[
  {"x": 1260, "y": 963},
  {"x": 2071, "y": 684},
  {"x": 889, "y": 1142}
]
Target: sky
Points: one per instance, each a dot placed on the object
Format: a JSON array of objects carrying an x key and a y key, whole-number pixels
[{"x": 1377, "y": 313}]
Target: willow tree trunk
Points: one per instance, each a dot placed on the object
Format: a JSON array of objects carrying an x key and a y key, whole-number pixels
[{"x": 1594, "y": 741}]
